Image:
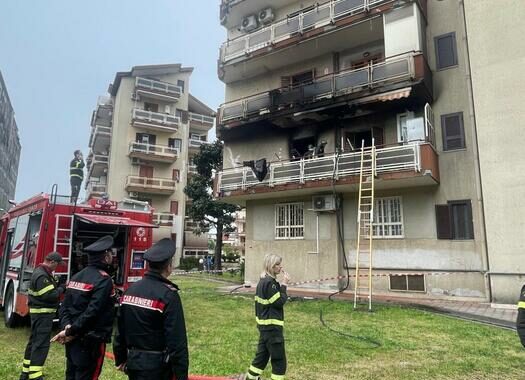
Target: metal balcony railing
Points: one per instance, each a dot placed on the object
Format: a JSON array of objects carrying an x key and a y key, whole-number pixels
[
  {"x": 192, "y": 169},
  {"x": 151, "y": 182},
  {"x": 189, "y": 225},
  {"x": 155, "y": 86},
  {"x": 102, "y": 115},
  {"x": 202, "y": 119},
  {"x": 195, "y": 143},
  {"x": 390, "y": 159},
  {"x": 96, "y": 187},
  {"x": 156, "y": 118},
  {"x": 391, "y": 70},
  {"x": 321, "y": 15},
  {"x": 163, "y": 218},
  {"x": 157, "y": 150},
  {"x": 98, "y": 131}
]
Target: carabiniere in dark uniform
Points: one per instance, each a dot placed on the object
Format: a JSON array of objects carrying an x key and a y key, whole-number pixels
[
  {"x": 87, "y": 313},
  {"x": 151, "y": 341}
]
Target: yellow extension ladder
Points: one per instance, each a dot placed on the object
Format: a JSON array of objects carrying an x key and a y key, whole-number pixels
[{"x": 365, "y": 215}]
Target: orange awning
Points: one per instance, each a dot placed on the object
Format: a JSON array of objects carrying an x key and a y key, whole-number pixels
[{"x": 113, "y": 220}]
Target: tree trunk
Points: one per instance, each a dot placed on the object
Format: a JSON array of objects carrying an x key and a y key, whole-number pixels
[{"x": 218, "y": 248}]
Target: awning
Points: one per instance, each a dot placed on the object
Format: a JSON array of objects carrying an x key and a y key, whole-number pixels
[
  {"x": 384, "y": 97},
  {"x": 113, "y": 220}
]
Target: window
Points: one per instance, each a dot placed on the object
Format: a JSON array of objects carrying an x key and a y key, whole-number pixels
[
  {"x": 388, "y": 218},
  {"x": 175, "y": 175},
  {"x": 446, "y": 52},
  {"x": 152, "y": 107},
  {"x": 298, "y": 79},
  {"x": 453, "y": 131},
  {"x": 174, "y": 207},
  {"x": 289, "y": 221},
  {"x": 454, "y": 220},
  {"x": 414, "y": 283},
  {"x": 180, "y": 83},
  {"x": 175, "y": 143}
]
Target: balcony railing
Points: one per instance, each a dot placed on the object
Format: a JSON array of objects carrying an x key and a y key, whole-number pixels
[
  {"x": 102, "y": 115},
  {"x": 94, "y": 188},
  {"x": 390, "y": 159},
  {"x": 195, "y": 143},
  {"x": 190, "y": 225},
  {"x": 192, "y": 169},
  {"x": 155, "y": 120},
  {"x": 163, "y": 218},
  {"x": 159, "y": 151},
  {"x": 156, "y": 88},
  {"x": 322, "y": 15},
  {"x": 99, "y": 132},
  {"x": 390, "y": 71},
  {"x": 155, "y": 185},
  {"x": 202, "y": 119}
]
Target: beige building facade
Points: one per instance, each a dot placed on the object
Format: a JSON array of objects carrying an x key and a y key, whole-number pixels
[
  {"x": 307, "y": 84},
  {"x": 143, "y": 137}
]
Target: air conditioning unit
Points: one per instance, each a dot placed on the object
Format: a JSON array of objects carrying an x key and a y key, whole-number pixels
[
  {"x": 249, "y": 23},
  {"x": 266, "y": 16},
  {"x": 325, "y": 202},
  {"x": 133, "y": 194},
  {"x": 167, "y": 109}
]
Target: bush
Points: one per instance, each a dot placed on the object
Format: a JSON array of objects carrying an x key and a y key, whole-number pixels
[{"x": 189, "y": 263}]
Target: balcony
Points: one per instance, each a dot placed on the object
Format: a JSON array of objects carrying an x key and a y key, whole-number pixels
[
  {"x": 408, "y": 74},
  {"x": 415, "y": 164},
  {"x": 97, "y": 164},
  {"x": 163, "y": 219},
  {"x": 100, "y": 138},
  {"x": 150, "y": 185},
  {"x": 154, "y": 89},
  {"x": 154, "y": 121},
  {"x": 155, "y": 153},
  {"x": 200, "y": 122},
  {"x": 196, "y": 143},
  {"x": 102, "y": 115},
  {"x": 95, "y": 189},
  {"x": 190, "y": 225}
]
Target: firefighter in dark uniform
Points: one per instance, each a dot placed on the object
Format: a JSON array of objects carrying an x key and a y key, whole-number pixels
[
  {"x": 76, "y": 175},
  {"x": 520, "y": 323},
  {"x": 87, "y": 314},
  {"x": 151, "y": 340},
  {"x": 44, "y": 294},
  {"x": 270, "y": 297}
]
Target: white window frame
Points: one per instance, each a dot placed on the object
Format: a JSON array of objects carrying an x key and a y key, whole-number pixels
[
  {"x": 284, "y": 210},
  {"x": 388, "y": 223},
  {"x": 407, "y": 115}
]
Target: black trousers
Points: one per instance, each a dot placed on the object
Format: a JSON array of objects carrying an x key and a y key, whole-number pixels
[
  {"x": 270, "y": 347},
  {"x": 75, "y": 188},
  {"x": 84, "y": 359},
  {"x": 37, "y": 347},
  {"x": 160, "y": 374}
]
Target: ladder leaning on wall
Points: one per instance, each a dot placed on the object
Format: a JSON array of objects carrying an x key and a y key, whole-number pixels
[{"x": 365, "y": 215}]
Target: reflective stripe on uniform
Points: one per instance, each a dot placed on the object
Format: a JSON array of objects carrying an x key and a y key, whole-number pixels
[
  {"x": 26, "y": 362},
  {"x": 274, "y": 298},
  {"x": 521, "y": 305},
  {"x": 42, "y": 310},
  {"x": 269, "y": 322},
  {"x": 25, "y": 369},
  {"x": 255, "y": 370},
  {"x": 277, "y": 377},
  {"x": 35, "y": 375},
  {"x": 77, "y": 175},
  {"x": 36, "y": 368},
  {"x": 251, "y": 377},
  {"x": 41, "y": 291}
]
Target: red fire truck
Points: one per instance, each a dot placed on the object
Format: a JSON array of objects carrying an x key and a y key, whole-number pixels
[{"x": 46, "y": 223}]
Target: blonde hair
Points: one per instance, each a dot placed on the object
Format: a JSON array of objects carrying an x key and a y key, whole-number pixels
[{"x": 270, "y": 260}]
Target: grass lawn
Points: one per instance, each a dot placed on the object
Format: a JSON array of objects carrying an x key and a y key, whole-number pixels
[{"x": 414, "y": 344}]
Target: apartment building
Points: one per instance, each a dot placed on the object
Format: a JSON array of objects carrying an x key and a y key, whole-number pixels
[
  {"x": 9, "y": 148},
  {"x": 143, "y": 137},
  {"x": 237, "y": 238},
  {"x": 308, "y": 83}
]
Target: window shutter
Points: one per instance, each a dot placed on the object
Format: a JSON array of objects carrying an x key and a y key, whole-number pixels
[
  {"x": 446, "y": 55},
  {"x": 443, "y": 225},
  {"x": 453, "y": 131},
  {"x": 174, "y": 207}
]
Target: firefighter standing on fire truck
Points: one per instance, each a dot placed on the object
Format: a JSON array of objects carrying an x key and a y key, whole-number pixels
[
  {"x": 87, "y": 314},
  {"x": 76, "y": 174},
  {"x": 151, "y": 341},
  {"x": 44, "y": 293}
]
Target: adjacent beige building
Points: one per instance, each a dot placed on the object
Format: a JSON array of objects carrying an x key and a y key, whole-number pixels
[
  {"x": 143, "y": 137},
  {"x": 307, "y": 83}
]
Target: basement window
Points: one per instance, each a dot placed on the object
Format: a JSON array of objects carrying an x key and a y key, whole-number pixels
[
  {"x": 289, "y": 221},
  {"x": 407, "y": 283}
]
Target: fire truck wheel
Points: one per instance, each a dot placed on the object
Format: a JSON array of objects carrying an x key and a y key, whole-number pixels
[{"x": 10, "y": 316}]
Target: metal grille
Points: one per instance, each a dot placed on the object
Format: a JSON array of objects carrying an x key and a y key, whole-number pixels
[
  {"x": 388, "y": 218},
  {"x": 289, "y": 221}
]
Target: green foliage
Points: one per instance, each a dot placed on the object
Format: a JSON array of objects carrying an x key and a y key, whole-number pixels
[
  {"x": 230, "y": 253},
  {"x": 211, "y": 244},
  {"x": 188, "y": 263}
]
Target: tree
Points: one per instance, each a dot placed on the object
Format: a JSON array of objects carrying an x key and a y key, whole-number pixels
[{"x": 207, "y": 212}]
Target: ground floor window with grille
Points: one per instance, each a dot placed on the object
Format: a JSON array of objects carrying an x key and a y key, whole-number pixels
[
  {"x": 408, "y": 283},
  {"x": 388, "y": 218},
  {"x": 289, "y": 221}
]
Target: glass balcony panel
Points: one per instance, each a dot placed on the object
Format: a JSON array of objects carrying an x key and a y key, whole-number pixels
[
  {"x": 287, "y": 172},
  {"x": 259, "y": 39},
  {"x": 390, "y": 70},
  {"x": 234, "y": 48},
  {"x": 317, "y": 15},
  {"x": 349, "y": 164},
  {"x": 258, "y": 103},
  {"x": 286, "y": 27},
  {"x": 289, "y": 96},
  {"x": 351, "y": 79},
  {"x": 319, "y": 88},
  {"x": 319, "y": 168},
  {"x": 344, "y": 7},
  {"x": 232, "y": 111}
]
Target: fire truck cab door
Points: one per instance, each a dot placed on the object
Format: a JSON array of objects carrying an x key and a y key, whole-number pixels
[{"x": 5, "y": 260}]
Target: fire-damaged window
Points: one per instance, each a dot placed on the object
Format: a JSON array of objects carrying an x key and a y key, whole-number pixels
[
  {"x": 289, "y": 221},
  {"x": 388, "y": 218},
  {"x": 408, "y": 283},
  {"x": 454, "y": 220},
  {"x": 298, "y": 79},
  {"x": 453, "y": 131}
]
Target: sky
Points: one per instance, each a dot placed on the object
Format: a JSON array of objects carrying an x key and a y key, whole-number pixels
[{"x": 58, "y": 56}]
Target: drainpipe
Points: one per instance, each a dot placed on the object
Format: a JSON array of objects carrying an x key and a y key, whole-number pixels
[{"x": 475, "y": 146}]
